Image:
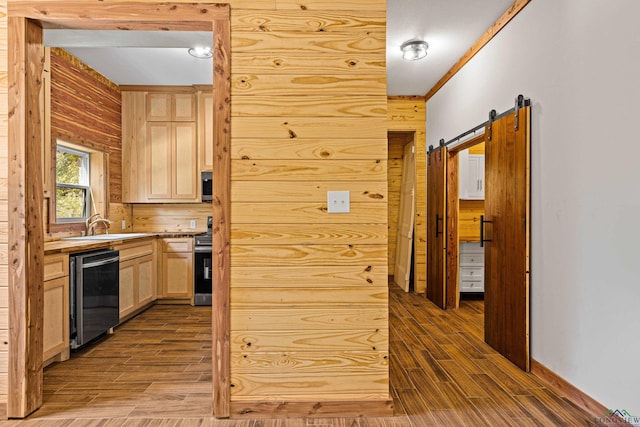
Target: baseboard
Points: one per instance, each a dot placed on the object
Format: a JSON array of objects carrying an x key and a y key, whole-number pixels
[
  {"x": 571, "y": 392},
  {"x": 312, "y": 409}
]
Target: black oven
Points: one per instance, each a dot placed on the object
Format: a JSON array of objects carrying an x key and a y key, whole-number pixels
[
  {"x": 202, "y": 267},
  {"x": 207, "y": 186}
]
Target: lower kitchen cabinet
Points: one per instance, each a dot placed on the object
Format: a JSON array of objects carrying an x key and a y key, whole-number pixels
[
  {"x": 177, "y": 269},
  {"x": 55, "y": 340},
  {"x": 137, "y": 276},
  {"x": 471, "y": 267}
]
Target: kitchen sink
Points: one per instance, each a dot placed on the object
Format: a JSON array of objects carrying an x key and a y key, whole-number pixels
[{"x": 122, "y": 236}]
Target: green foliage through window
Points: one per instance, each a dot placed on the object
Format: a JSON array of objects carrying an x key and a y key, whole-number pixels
[{"x": 72, "y": 184}]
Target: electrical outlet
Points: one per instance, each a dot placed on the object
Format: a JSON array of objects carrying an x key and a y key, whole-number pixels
[
  {"x": 193, "y": 223},
  {"x": 124, "y": 224},
  {"x": 338, "y": 202}
]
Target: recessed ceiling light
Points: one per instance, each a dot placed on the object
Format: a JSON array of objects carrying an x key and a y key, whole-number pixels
[
  {"x": 201, "y": 52},
  {"x": 414, "y": 50}
]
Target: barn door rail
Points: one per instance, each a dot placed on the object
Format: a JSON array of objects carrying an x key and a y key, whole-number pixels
[{"x": 520, "y": 102}]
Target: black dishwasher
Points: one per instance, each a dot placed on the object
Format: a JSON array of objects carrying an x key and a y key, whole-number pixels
[{"x": 94, "y": 280}]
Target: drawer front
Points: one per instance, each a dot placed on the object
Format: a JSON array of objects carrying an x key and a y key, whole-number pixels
[
  {"x": 56, "y": 266},
  {"x": 466, "y": 286},
  {"x": 472, "y": 259},
  {"x": 135, "y": 249},
  {"x": 177, "y": 245},
  {"x": 472, "y": 274},
  {"x": 471, "y": 247}
]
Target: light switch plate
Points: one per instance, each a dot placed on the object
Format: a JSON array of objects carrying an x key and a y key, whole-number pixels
[
  {"x": 124, "y": 224},
  {"x": 338, "y": 202},
  {"x": 193, "y": 223}
]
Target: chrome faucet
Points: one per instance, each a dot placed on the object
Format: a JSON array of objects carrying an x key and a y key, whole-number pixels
[{"x": 93, "y": 221}]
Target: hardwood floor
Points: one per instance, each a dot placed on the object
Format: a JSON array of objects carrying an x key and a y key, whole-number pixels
[{"x": 156, "y": 371}]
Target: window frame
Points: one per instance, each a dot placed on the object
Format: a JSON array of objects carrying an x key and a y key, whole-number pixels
[{"x": 86, "y": 177}]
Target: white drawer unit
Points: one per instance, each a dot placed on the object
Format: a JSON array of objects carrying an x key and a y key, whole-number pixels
[{"x": 471, "y": 267}]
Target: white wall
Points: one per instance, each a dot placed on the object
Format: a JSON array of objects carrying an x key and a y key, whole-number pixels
[{"x": 579, "y": 62}]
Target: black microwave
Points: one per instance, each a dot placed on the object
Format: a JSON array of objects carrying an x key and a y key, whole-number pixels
[{"x": 207, "y": 186}]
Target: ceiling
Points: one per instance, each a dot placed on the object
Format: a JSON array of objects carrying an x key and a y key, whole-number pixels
[{"x": 160, "y": 57}]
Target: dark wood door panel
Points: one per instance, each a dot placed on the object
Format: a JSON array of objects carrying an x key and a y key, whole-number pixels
[{"x": 507, "y": 196}]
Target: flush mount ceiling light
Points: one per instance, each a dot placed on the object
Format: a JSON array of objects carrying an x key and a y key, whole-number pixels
[
  {"x": 201, "y": 52},
  {"x": 414, "y": 50}
]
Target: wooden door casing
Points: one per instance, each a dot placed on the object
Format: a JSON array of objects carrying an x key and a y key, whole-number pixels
[
  {"x": 507, "y": 205},
  {"x": 436, "y": 225}
]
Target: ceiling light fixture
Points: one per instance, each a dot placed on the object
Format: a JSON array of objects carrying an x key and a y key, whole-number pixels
[
  {"x": 201, "y": 52},
  {"x": 414, "y": 50}
]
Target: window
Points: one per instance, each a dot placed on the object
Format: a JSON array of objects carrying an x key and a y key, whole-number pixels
[{"x": 73, "y": 192}]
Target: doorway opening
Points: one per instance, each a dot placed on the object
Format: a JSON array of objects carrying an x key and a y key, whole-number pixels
[{"x": 26, "y": 57}]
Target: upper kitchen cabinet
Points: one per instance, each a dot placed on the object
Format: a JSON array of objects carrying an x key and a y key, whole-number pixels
[
  {"x": 171, "y": 155},
  {"x": 471, "y": 176},
  {"x": 159, "y": 156},
  {"x": 205, "y": 129},
  {"x": 171, "y": 107}
]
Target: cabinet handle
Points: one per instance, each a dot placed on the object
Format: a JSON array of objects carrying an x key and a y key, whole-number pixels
[{"x": 482, "y": 223}]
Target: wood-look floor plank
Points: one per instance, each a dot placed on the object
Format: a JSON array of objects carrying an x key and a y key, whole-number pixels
[{"x": 156, "y": 371}]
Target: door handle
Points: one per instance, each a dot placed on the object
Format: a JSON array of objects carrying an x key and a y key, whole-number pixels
[
  {"x": 482, "y": 223},
  {"x": 438, "y": 232}
]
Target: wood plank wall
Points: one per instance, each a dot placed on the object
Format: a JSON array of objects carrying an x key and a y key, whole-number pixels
[
  {"x": 308, "y": 288},
  {"x": 167, "y": 218},
  {"x": 408, "y": 113},
  {"x": 86, "y": 110},
  {"x": 4, "y": 214}
]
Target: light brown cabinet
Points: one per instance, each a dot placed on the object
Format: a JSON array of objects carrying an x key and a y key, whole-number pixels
[
  {"x": 137, "y": 276},
  {"x": 55, "y": 340},
  {"x": 205, "y": 130},
  {"x": 177, "y": 268},
  {"x": 159, "y": 147},
  {"x": 171, "y": 148},
  {"x": 171, "y": 107}
]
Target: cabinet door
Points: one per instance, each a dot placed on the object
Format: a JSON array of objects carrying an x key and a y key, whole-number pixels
[
  {"x": 205, "y": 130},
  {"x": 475, "y": 177},
  {"x": 55, "y": 326},
  {"x": 159, "y": 107},
  {"x": 128, "y": 291},
  {"x": 159, "y": 148},
  {"x": 134, "y": 160},
  {"x": 184, "y": 161},
  {"x": 146, "y": 280},
  {"x": 184, "y": 107},
  {"x": 177, "y": 274}
]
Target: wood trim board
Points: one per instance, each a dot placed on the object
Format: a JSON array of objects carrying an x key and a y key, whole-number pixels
[
  {"x": 568, "y": 390},
  {"x": 26, "y": 251},
  {"x": 493, "y": 30},
  {"x": 312, "y": 409},
  {"x": 221, "y": 219},
  {"x": 26, "y": 228}
]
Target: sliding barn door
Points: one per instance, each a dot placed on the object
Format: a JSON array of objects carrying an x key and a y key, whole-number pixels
[
  {"x": 436, "y": 225},
  {"x": 506, "y": 234},
  {"x": 404, "y": 239}
]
